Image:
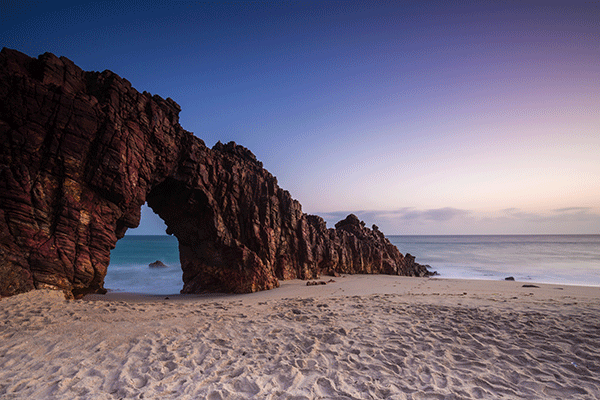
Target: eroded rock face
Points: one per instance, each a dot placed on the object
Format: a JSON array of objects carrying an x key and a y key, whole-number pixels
[{"x": 80, "y": 152}]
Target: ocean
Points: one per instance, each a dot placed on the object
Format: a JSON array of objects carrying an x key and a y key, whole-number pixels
[
  {"x": 561, "y": 259},
  {"x": 128, "y": 270}
]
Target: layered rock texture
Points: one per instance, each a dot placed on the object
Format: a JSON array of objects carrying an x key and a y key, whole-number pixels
[{"x": 80, "y": 153}]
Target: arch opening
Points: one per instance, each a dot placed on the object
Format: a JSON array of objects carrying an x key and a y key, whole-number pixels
[{"x": 129, "y": 269}]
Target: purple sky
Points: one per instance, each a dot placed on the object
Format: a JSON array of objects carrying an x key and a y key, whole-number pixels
[{"x": 467, "y": 117}]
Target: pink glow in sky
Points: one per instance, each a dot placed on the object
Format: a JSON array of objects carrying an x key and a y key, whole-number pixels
[{"x": 421, "y": 117}]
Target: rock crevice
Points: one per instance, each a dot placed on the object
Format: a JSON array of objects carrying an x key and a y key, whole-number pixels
[{"x": 81, "y": 152}]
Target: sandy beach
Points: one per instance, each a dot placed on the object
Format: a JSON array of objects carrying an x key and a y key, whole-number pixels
[{"x": 360, "y": 337}]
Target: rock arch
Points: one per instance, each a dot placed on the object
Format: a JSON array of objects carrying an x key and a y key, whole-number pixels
[{"x": 82, "y": 151}]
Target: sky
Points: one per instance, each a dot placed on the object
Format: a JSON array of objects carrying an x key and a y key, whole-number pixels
[{"x": 422, "y": 117}]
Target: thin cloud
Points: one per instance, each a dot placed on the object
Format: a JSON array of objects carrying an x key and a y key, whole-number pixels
[
  {"x": 444, "y": 214},
  {"x": 449, "y": 220},
  {"x": 582, "y": 210},
  {"x": 437, "y": 214}
]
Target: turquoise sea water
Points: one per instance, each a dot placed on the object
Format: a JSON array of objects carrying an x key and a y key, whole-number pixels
[
  {"x": 562, "y": 259},
  {"x": 128, "y": 270}
]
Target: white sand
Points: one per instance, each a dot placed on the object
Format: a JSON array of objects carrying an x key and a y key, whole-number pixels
[{"x": 361, "y": 337}]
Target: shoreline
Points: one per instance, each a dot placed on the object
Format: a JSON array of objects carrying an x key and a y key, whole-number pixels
[
  {"x": 365, "y": 285},
  {"x": 362, "y": 336}
]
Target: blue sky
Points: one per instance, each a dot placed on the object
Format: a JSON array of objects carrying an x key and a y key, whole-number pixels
[{"x": 421, "y": 117}]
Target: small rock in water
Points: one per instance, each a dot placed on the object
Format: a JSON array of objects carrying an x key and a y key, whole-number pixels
[
  {"x": 510, "y": 278},
  {"x": 157, "y": 264}
]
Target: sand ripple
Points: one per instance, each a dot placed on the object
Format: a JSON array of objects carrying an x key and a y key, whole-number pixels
[{"x": 361, "y": 347}]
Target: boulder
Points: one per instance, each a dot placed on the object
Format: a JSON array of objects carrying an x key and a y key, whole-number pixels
[{"x": 157, "y": 264}]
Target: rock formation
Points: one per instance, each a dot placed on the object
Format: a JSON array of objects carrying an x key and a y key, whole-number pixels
[
  {"x": 82, "y": 151},
  {"x": 157, "y": 264}
]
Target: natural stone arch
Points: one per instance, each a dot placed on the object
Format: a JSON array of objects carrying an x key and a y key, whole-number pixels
[
  {"x": 211, "y": 260},
  {"x": 83, "y": 151}
]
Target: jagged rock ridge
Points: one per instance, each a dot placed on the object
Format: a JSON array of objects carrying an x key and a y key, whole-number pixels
[{"x": 82, "y": 151}]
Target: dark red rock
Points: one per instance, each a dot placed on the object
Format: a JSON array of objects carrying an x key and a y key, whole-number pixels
[
  {"x": 157, "y": 264},
  {"x": 80, "y": 152}
]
